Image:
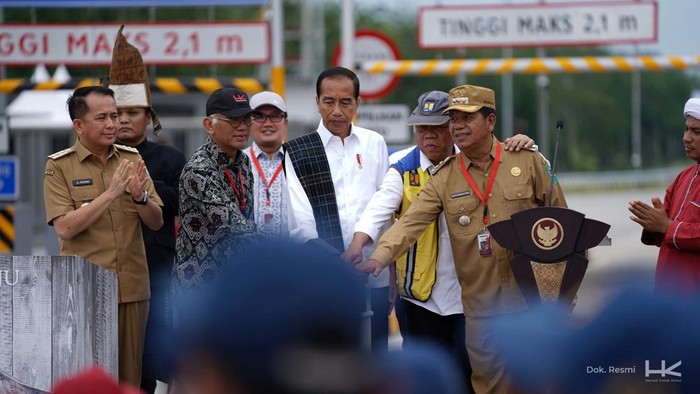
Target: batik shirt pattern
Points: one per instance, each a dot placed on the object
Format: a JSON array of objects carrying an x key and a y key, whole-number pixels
[{"x": 216, "y": 224}]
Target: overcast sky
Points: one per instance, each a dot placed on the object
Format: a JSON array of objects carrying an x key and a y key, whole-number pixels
[{"x": 677, "y": 21}]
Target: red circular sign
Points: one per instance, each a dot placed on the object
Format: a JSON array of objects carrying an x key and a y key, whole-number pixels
[{"x": 371, "y": 45}]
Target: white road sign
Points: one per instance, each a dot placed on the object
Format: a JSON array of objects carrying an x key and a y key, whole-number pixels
[
  {"x": 546, "y": 24},
  {"x": 389, "y": 120},
  {"x": 162, "y": 43}
]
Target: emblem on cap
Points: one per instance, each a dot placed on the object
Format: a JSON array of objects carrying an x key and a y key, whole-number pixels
[
  {"x": 515, "y": 171},
  {"x": 458, "y": 99},
  {"x": 239, "y": 98},
  {"x": 547, "y": 233},
  {"x": 428, "y": 106},
  {"x": 464, "y": 220}
]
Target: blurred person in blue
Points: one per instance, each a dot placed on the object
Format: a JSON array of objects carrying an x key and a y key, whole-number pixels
[
  {"x": 430, "y": 307},
  {"x": 674, "y": 226},
  {"x": 282, "y": 320},
  {"x": 332, "y": 173},
  {"x": 267, "y": 157},
  {"x": 638, "y": 342},
  {"x": 424, "y": 368},
  {"x": 128, "y": 79}
]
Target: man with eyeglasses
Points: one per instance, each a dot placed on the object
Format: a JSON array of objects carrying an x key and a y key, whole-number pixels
[
  {"x": 216, "y": 193},
  {"x": 266, "y": 156}
]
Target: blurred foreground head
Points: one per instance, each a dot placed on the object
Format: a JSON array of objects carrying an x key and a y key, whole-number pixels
[
  {"x": 638, "y": 343},
  {"x": 285, "y": 318}
]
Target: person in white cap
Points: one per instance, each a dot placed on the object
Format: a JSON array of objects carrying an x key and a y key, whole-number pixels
[
  {"x": 266, "y": 158},
  {"x": 674, "y": 226}
]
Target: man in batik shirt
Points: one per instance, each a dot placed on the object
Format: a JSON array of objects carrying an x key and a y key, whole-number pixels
[{"x": 216, "y": 193}]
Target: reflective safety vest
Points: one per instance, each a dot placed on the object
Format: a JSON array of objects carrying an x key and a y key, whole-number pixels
[{"x": 416, "y": 271}]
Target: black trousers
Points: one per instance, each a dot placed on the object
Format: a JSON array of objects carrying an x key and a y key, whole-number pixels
[{"x": 418, "y": 323}]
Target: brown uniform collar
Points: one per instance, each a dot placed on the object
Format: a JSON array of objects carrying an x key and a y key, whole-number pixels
[{"x": 84, "y": 153}]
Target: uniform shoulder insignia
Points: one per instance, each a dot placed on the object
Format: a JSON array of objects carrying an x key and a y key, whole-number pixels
[
  {"x": 437, "y": 168},
  {"x": 126, "y": 148},
  {"x": 62, "y": 153}
]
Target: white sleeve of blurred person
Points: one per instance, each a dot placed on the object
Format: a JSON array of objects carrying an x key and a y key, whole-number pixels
[{"x": 302, "y": 225}]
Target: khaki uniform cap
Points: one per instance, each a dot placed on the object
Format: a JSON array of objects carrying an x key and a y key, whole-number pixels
[{"x": 470, "y": 98}]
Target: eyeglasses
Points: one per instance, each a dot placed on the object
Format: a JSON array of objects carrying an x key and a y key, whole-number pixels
[
  {"x": 275, "y": 117},
  {"x": 235, "y": 122}
]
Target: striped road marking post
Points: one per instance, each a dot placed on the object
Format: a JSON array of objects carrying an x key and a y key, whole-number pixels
[{"x": 7, "y": 229}]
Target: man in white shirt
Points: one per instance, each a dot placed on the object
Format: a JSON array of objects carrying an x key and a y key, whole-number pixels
[
  {"x": 332, "y": 173},
  {"x": 266, "y": 161},
  {"x": 426, "y": 275}
]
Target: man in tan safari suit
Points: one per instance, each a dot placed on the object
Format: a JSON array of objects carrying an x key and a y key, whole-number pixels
[
  {"x": 96, "y": 193},
  {"x": 481, "y": 185}
]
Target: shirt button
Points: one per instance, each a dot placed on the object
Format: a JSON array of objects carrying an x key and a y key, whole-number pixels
[
  {"x": 504, "y": 280},
  {"x": 490, "y": 194},
  {"x": 520, "y": 194},
  {"x": 493, "y": 215},
  {"x": 461, "y": 209}
]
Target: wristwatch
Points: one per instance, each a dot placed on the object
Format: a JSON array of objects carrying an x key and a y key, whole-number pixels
[{"x": 142, "y": 202}]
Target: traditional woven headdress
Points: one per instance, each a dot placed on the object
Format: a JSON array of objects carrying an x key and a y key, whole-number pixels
[{"x": 129, "y": 79}]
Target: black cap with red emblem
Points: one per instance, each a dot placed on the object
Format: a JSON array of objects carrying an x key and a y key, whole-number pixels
[{"x": 231, "y": 102}]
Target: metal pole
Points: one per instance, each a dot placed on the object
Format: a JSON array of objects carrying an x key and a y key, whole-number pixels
[
  {"x": 3, "y": 97},
  {"x": 636, "y": 157},
  {"x": 507, "y": 128},
  {"x": 278, "y": 74},
  {"x": 213, "y": 68},
  {"x": 347, "y": 32},
  {"x": 152, "y": 20},
  {"x": 542, "y": 109},
  {"x": 461, "y": 77}
]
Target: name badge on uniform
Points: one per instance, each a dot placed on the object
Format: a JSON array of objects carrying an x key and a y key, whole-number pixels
[
  {"x": 484, "y": 241},
  {"x": 461, "y": 194},
  {"x": 267, "y": 218},
  {"x": 82, "y": 182}
]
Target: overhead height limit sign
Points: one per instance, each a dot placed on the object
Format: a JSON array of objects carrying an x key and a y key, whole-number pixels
[
  {"x": 371, "y": 45},
  {"x": 544, "y": 24}
]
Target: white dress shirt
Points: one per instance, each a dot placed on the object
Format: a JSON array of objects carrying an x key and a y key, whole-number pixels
[
  {"x": 271, "y": 219},
  {"x": 446, "y": 298},
  {"x": 357, "y": 166}
]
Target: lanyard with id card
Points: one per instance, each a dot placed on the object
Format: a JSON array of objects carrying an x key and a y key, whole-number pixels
[{"x": 483, "y": 238}]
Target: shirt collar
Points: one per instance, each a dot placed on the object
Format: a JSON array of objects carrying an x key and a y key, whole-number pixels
[
  {"x": 257, "y": 151},
  {"x": 84, "y": 153},
  {"x": 218, "y": 154},
  {"x": 425, "y": 163},
  {"x": 326, "y": 135},
  {"x": 494, "y": 144}
]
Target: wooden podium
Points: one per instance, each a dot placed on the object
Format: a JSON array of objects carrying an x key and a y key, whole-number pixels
[
  {"x": 58, "y": 315},
  {"x": 550, "y": 245}
]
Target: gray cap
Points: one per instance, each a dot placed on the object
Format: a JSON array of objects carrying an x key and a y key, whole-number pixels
[{"x": 429, "y": 110}]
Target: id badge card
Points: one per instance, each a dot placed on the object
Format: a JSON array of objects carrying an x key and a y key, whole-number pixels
[
  {"x": 484, "y": 241},
  {"x": 267, "y": 218}
]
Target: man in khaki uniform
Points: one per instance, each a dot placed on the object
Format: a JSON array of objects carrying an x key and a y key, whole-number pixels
[
  {"x": 483, "y": 184},
  {"x": 95, "y": 193}
]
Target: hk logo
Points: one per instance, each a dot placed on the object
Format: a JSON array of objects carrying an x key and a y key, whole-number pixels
[{"x": 663, "y": 371}]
